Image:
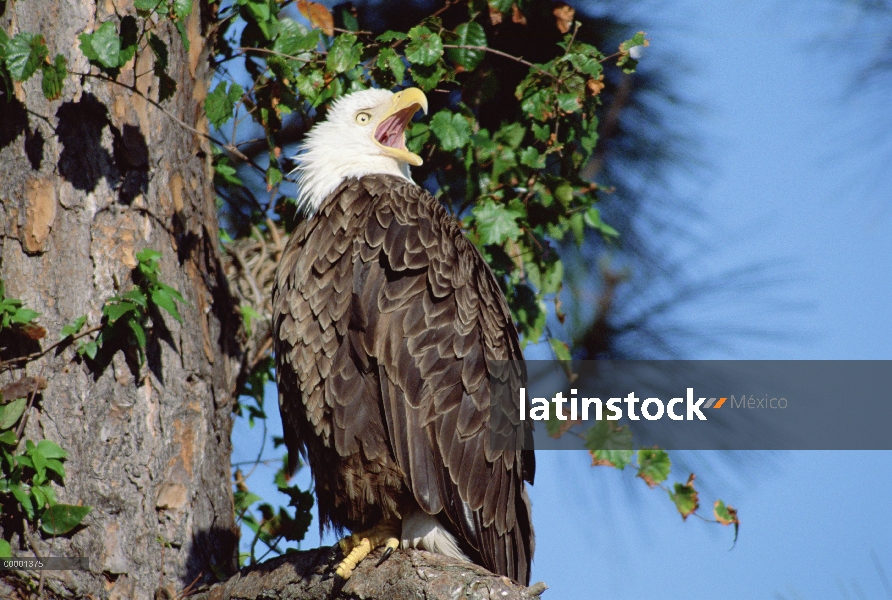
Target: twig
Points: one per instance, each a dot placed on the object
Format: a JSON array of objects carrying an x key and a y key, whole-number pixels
[
  {"x": 264, "y": 348},
  {"x": 339, "y": 30},
  {"x": 258, "y": 298},
  {"x": 446, "y": 7},
  {"x": 38, "y": 354},
  {"x": 21, "y": 428},
  {"x": 245, "y": 50},
  {"x": 172, "y": 116},
  {"x": 504, "y": 55}
]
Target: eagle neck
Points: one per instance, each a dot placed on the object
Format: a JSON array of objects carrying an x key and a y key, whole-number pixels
[{"x": 318, "y": 181}]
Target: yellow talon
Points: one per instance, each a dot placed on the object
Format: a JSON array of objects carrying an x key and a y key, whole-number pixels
[{"x": 359, "y": 545}]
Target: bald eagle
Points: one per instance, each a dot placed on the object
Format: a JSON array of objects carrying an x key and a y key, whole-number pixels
[{"x": 387, "y": 324}]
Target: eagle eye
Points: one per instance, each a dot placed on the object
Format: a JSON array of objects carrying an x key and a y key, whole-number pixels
[{"x": 363, "y": 118}]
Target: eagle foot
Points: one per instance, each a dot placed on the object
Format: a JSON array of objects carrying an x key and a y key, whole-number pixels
[{"x": 358, "y": 546}]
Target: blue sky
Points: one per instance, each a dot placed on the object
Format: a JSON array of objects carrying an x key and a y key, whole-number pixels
[{"x": 799, "y": 156}]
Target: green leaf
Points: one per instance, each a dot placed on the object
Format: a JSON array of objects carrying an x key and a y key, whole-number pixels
[
  {"x": 39, "y": 462},
  {"x": 561, "y": 350},
  {"x": 137, "y": 296},
  {"x": 5, "y": 549},
  {"x": 503, "y": 160},
  {"x": 227, "y": 172},
  {"x": 726, "y": 515},
  {"x": 174, "y": 293},
  {"x": 593, "y": 220},
  {"x": 344, "y": 54},
  {"x": 511, "y": 135},
  {"x": 163, "y": 299},
  {"x": 147, "y": 5},
  {"x": 530, "y": 157},
  {"x": 541, "y": 132},
  {"x": 23, "y": 316},
  {"x": 293, "y": 38},
  {"x": 181, "y": 8},
  {"x": 147, "y": 256},
  {"x": 428, "y": 77},
  {"x": 51, "y": 449},
  {"x": 685, "y": 498},
  {"x": 417, "y": 136},
  {"x": 40, "y": 499},
  {"x": 24, "y": 498},
  {"x": 103, "y": 45},
  {"x": 219, "y": 104},
  {"x": 569, "y": 103},
  {"x": 243, "y": 500},
  {"x": 549, "y": 278},
  {"x": 260, "y": 12},
  {"x": 24, "y": 53},
  {"x": 388, "y": 59},
  {"x": 390, "y": 36},
  {"x": 496, "y": 222},
  {"x": 577, "y": 227},
  {"x": 425, "y": 47},
  {"x": 116, "y": 310},
  {"x": 468, "y": 34},
  {"x": 56, "y": 466},
  {"x": 54, "y": 77},
  {"x": 4, "y": 39},
  {"x": 47, "y": 491},
  {"x": 539, "y": 104},
  {"x": 585, "y": 64},
  {"x": 609, "y": 444},
  {"x": 138, "y": 332},
  {"x": 564, "y": 193},
  {"x": 184, "y": 35},
  {"x": 653, "y": 466},
  {"x": 639, "y": 39},
  {"x": 62, "y": 518},
  {"x": 8, "y": 438},
  {"x": 273, "y": 176},
  {"x": 454, "y": 130},
  {"x": 90, "y": 349},
  {"x": 344, "y": 14},
  {"x": 11, "y": 412},
  {"x": 310, "y": 84}
]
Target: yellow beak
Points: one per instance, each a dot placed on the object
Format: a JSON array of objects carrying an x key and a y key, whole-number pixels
[{"x": 390, "y": 133}]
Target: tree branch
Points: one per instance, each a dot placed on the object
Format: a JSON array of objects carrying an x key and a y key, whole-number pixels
[
  {"x": 504, "y": 55},
  {"x": 406, "y": 574}
]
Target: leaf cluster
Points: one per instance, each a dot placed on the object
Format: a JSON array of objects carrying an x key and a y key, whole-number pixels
[
  {"x": 27, "y": 474},
  {"x": 23, "y": 55},
  {"x": 274, "y": 524},
  {"x": 126, "y": 317},
  {"x": 12, "y": 312},
  {"x": 611, "y": 445}
]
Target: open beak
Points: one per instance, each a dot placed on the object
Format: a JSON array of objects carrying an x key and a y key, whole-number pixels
[{"x": 390, "y": 134}]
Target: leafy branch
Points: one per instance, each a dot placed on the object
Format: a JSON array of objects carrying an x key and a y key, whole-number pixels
[{"x": 27, "y": 474}]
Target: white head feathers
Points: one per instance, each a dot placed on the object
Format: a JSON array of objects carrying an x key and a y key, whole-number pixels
[{"x": 364, "y": 134}]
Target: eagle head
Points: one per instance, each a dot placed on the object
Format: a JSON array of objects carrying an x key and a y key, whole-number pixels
[{"x": 364, "y": 134}]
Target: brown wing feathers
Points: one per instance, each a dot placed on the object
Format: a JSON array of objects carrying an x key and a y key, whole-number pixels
[{"x": 386, "y": 318}]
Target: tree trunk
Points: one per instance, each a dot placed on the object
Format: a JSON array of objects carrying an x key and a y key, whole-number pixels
[{"x": 86, "y": 182}]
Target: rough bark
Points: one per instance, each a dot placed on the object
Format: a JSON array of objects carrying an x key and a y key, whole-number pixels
[
  {"x": 86, "y": 182},
  {"x": 407, "y": 574}
]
